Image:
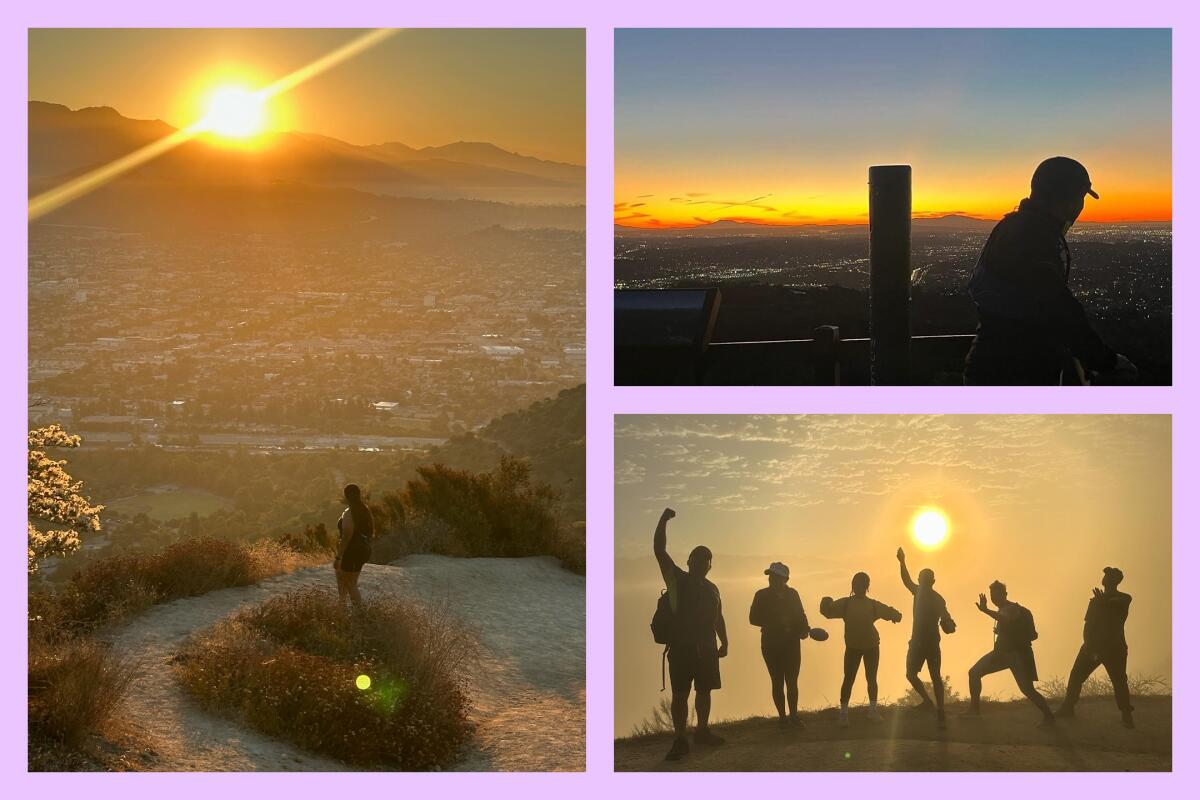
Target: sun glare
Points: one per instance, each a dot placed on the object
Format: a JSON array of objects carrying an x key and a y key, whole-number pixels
[
  {"x": 235, "y": 112},
  {"x": 929, "y": 528}
]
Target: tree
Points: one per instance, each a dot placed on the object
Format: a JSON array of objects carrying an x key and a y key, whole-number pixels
[{"x": 58, "y": 511}]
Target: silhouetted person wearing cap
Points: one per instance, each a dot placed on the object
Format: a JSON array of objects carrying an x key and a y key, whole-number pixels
[
  {"x": 859, "y": 613},
  {"x": 1103, "y": 643},
  {"x": 1031, "y": 327},
  {"x": 693, "y": 654},
  {"x": 777, "y": 610},
  {"x": 930, "y": 618},
  {"x": 1012, "y": 650}
]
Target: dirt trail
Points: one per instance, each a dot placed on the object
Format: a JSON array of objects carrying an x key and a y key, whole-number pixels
[
  {"x": 528, "y": 692},
  {"x": 1004, "y": 740}
]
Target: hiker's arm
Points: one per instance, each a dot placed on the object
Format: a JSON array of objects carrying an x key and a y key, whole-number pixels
[
  {"x": 802, "y": 619},
  {"x": 722, "y": 637},
  {"x": 1042, "y": 277},
  {"x": 947, "y": 622},
  {"x": 833, "y": 609},
  {"x": 904, "y": 576},
  {"x": 886, "y": 612},
  {"x": 665, "y": 564},
  {"x": 757, "y": 612},
  {"x": 983, "y": 606},
  {"x": 345, "y": 531}
]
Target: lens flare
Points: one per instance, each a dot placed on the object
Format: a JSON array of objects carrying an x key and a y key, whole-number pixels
[
  {"x": 363, "y": 682},
  {"x": 929, "y": 528}
]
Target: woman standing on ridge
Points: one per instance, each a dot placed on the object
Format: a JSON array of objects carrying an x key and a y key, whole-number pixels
[{"x": 356, "y": 528}]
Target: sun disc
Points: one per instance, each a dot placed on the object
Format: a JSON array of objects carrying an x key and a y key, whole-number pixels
[
  {"x": 929, "y": 528},
  {"x": 235, "y": 112}
]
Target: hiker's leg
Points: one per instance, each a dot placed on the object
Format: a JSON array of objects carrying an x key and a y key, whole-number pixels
[
  {"x": 352, "y": 588},
  {"x": 774, "y": 664},
  {"x": 871, "y": 666},
  {"x": 986, "y": 665},
  {"x": 679, "y": 711},
  {"x": 1085, "y": 664},
  {"x": 934, "y": 660},
  {"x": 849, "y": 673},
  {"x": 703, "y": 706},
  {"x": 1114, "y": 665},
  {"x": 912, "y": 671},
  {"x": 1030, "y": 691},
  {"x": 791, "y": 676},
  {"x": 343, "y": 591}
]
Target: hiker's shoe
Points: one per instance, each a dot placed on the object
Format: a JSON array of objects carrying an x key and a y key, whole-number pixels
[
  {"x": 970, "y": 713},
  {"x": 924, "y": 705},
  {"x": 783, "y": 722},
  {"x": 1047, "y": 722},
  {"x": 707, "y": 737},
  {"x": 843, "y": 719},
  {"x": 873, "y": 715},
  {"x": 1066, "y": 712},
  {"x": 795, "y": 720},
  {"x": 679, "y": 749},
  {"x": 941, "y": 720},
  {"x": 1127, "y": 720}
]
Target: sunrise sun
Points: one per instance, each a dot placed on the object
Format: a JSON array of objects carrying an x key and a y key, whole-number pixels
[
  {"x": 930, "y": 528},
  {"x": 235, "y": 112}
]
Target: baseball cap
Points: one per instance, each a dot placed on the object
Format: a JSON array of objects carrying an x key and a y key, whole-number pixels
[
  {"x": 779, "y": 569},
  {"x": 1059, "y": 175}
]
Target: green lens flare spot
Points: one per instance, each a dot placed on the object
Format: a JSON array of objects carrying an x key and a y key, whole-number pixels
[
  {"x": 363, "y": 682},
  {"x": 846, "y": 756}
]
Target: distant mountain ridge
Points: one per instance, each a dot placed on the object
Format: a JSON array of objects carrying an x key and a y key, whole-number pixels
[
  {"x": 64, "y": 143},
  {"x": 296, "y": 183}
]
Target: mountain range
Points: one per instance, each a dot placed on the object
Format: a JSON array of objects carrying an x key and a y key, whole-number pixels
[{"x": 291, "y": 180}]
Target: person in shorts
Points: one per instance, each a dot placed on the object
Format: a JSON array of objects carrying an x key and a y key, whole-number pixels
[
  {"x": 693, "y": 655},
  {"x": 859, "y": 613},
  {"x": 1013, "y": 651},
  {"x": 930, "y": 618}
]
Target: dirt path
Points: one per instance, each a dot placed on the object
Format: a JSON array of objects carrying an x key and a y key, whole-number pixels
[
  {"x": 528, "y": 693},
  {"x": 1004, "y": 740}
]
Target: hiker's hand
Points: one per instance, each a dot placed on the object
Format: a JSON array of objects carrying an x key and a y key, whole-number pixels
[
  {"x": 668, "y": 513},
  {"x": 900, "y": 554},
  {"x": 982, "y": 604},
  {"x": 1097, "y": 592},
  {"x": 723, "y": 650}
]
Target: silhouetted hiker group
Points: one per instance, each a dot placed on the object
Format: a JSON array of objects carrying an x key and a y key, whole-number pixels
[
  {"x": 1032, "y": 330},
  {"x": 690, "y": 623},
  {"x": 356, "y": 528}
]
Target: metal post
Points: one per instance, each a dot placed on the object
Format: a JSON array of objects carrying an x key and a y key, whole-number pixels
[
  {"x": 891, "y": 232},
  {"x": 826, "y": 368}
]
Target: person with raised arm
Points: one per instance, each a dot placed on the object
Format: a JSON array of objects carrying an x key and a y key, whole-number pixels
[
  {"x": 1012, "y": 650},
  {"x": 1103, "y": 643},
  {"x": 930, "y": 618},
  {"x": 693, "y": 653}
]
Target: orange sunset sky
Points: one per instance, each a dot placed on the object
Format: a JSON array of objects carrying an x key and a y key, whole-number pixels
[{"x": 779, "y": 127}]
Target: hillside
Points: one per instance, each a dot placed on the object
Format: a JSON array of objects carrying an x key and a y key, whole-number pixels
[
  {"x": 527, "y": 691},
  {"x": 1004, "y": 740}
]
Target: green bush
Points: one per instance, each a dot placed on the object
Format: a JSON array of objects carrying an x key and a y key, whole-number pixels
[{"x": 290, "y": 668}]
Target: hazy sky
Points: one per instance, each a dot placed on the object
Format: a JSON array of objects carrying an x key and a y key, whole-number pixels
[
  {"x": 781, "y": 125},
  {"x": 520, "y": 89},
  {"x": 1043, "y": 503}
]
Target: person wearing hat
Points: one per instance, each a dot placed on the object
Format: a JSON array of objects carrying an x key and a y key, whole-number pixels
[
  {"x": 1031, "y": 327},
  {"x": 1103, "y": 643},
  {"x": 930, "y": 618},
  {"x": 693, "y": 657},
  {"x": 777, "y": 610},
  {"x": 859, "y": 613}
]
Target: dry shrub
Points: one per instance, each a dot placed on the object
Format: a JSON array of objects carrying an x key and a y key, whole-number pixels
[
  {"x": 289, "y": 667},
  {"x": 1098, "y": 685},
  {"x": 75, "y": 686}
]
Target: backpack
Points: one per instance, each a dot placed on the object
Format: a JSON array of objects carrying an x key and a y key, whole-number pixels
[{"x": 662, "y": 624}]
